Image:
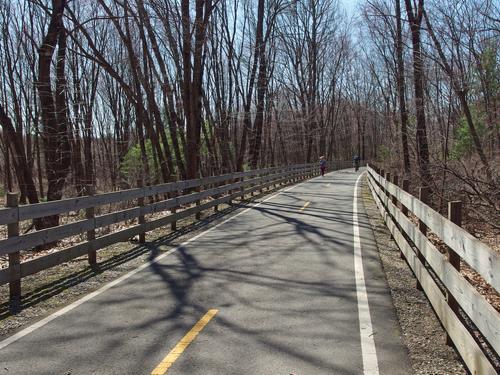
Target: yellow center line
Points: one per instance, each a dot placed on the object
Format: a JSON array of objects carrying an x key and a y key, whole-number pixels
[
  {"x": 305, "y": 206},
  {"x": 175, "y": 353}
]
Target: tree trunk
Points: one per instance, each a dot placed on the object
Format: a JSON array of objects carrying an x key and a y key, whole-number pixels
[
  {"x": 259, "y": 32},
  {"x": 400, "y": 83},
  {"x": 418, "y": 78},
  {"x": 53, "y": 107},
  {"x": 261, "y": 92}
]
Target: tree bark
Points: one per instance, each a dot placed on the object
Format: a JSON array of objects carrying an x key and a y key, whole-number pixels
[
  {"x": 23, "y": 173},
  {"x": 418, "y": 80},
  {"x": 400, "y": 82},
  {"x": 261, "y": 92},
  {"x": 53, "y": 107},
  {"x": 259, "y": 36}
]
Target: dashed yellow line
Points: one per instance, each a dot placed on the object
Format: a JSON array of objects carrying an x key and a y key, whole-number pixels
[
  {"x": 175, "y": 353},
  {"x": 305, "y": 206}
]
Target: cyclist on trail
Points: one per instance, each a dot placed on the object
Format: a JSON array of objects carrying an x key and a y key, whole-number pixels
[
  {"x": 322, "y": 165},
  {"x": 356, "y": 162}
]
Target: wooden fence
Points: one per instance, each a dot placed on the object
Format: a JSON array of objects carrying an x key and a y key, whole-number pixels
[
  {"x": 208, "y": 193},
  {"x": 438, "y": 275}
]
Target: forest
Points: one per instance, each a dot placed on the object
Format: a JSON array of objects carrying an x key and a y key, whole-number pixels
[{"x": 116, "y": 93}]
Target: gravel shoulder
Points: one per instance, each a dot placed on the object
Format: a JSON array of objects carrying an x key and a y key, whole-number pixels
[{"x": 422, "y": 333}]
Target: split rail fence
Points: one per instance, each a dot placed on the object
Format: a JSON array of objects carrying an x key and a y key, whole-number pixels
[
  {"x": 438, "y": 275},
  {"x": 180, "y": 200}
]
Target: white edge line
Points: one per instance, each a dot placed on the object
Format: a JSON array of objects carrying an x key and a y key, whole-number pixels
[
  {"x": 15, "y": 337},
  {"x": 368, "y": 351}
]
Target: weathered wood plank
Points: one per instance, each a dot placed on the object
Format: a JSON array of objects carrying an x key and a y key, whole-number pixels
[
  {"x": 478, "y": 309},
  {"x": 132, "y": 213},
  {"x": 44, "y": 236},
  {"x": 57, "y": 233},
  {"x": 472, "y": 355},
  {"x": 189, "y": 184},
  {"x": 218, "y": 179},
  {"x": 117, "y": 217},
  {"x": 9, "y": 215},
  {"x": 161, "y": 189},
  {"x": 50, "y": 260},
  {"x": 33, "y": 211},
  {"x": 5, "y": 276},
  {"x": 477, "y": 254}
]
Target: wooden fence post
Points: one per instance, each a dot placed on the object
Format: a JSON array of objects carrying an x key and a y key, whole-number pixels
[
  {"x": 387, "y": 178},
  {"x": 394, "y": 200},
  {"x": 404, "y": 209},
  {"x": 90, "y": 214},
  {"x": 233, "y": 191},
  {"x": 197, "y": 203},
  {"x": 242, "y": 189},
  {"x": 406, "y": 187},
  {"x": 395, "y": 181},
  {"x": 455, "y": 216},
  {"x": 423, "y": 195},
  {"x": 389, "y": 196},
  {"x": 217, "y": 196},
  {"x": 141, "y": 218},
  {"x": 14, "y": 258},
  {"x": 173, "y": 210}
]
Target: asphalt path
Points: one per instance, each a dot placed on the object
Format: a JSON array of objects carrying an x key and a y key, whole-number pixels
[{"x": 280, "y": 282}]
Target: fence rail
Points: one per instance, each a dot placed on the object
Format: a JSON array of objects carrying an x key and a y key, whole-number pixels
[
  {"x": 210, "y": 192},
  {"x": 439, "y": 274}
]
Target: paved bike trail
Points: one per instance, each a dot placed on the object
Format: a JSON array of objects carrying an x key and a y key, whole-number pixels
[{"x": 281, "y": 275}]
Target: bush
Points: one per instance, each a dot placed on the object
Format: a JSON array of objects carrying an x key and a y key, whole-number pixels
[
  {"x": 383, "y": 154},
  {"x": 132, "y": 167},
  {"x": 464, "y": 144}
]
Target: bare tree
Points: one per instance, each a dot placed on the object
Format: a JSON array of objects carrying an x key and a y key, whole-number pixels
[
  {"x": 53, "y": 105},
  {"x": 460, "y": 87},
  {"x": 415, "y": 12}
]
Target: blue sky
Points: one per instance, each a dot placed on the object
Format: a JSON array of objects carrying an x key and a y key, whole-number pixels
[{"x": 350, "y": 6}]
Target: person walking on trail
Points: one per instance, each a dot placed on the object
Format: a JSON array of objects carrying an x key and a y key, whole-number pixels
[
  {"x": 322, "y": 165},
  {"x": 356, "y": 162}
]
